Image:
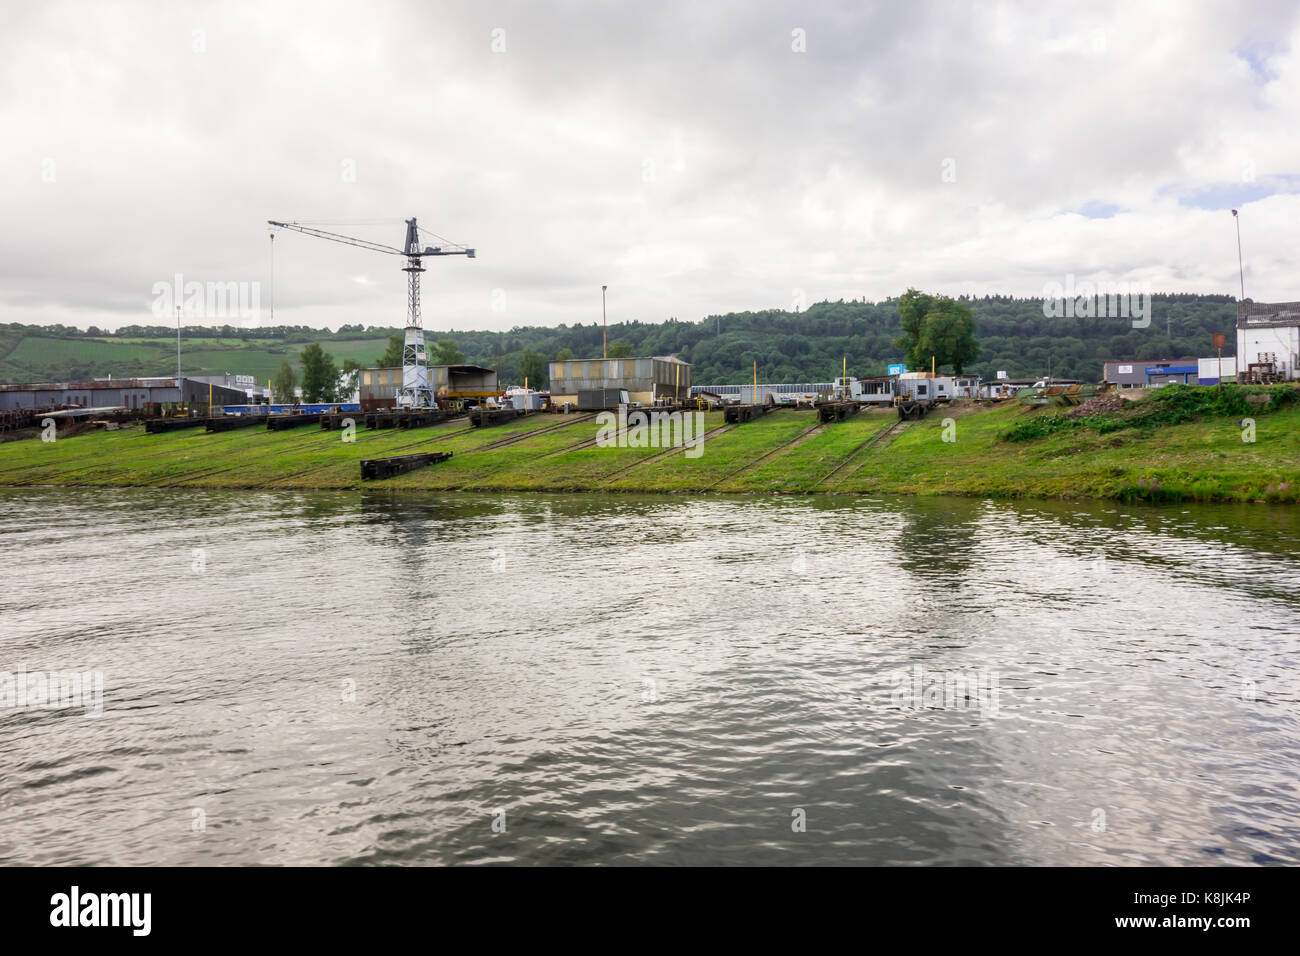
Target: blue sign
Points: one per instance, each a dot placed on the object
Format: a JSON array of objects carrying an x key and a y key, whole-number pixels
[{"x": 896, "y": 370}]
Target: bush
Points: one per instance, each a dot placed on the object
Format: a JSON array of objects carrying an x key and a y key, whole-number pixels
[
  {"x": 1039, "y": 426},
  {"x": 1171, "y": 405}
]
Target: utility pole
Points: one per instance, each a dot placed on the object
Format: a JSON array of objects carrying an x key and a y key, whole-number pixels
[
  {"x": 604, "y": 325},
  {"x": 178, "y": 348}
]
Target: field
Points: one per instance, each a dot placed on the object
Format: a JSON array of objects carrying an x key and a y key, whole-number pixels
[
  {"x": 37, "y": 358},
  {"x": 958, "y": 450}
]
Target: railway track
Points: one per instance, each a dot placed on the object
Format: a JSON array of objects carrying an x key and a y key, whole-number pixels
[
  {"x": 531, "y": 433},
  {"x": 799, "y": 439},
  {"x": 880, "y": 436},
  {"x": 656, "y": 457},
  {"x": 576, "y": 446}
]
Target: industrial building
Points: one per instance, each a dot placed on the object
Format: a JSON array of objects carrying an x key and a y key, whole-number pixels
[
  {"x": 923, "y": 385},
  {"x": 781, "y": 394},
  {"x": 876, "y": 389},
  {"x": 451, "y": 384},
  {"x": 1154, "y": 373},
  {"x": 1003, "y": 387},
  {"x": 246, "y": 383},
  {"x": 134, "y": 393},
  {"x": 1211, "y": 371},
  {"x": 647, "y": 381},
  {"x": 1268, "y": 341},
  {"x": 1151, "y": 373}
]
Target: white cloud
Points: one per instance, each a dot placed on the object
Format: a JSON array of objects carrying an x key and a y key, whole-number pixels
[{"x": 682, "y": 154}]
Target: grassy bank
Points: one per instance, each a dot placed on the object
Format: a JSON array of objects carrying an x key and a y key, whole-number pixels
[{"x": 1004, "y": 451}]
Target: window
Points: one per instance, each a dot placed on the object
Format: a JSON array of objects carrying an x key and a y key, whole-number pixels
[{"x": 559, "y": 368}]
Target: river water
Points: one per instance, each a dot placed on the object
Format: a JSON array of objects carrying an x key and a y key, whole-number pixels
[{"x": 363, "y": 678}]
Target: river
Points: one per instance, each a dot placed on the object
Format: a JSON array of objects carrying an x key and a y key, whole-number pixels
[{"x": 312, "y": 678}]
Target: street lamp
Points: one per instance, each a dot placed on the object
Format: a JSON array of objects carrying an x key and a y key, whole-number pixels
[
  {"x": 1240, "y": 270},
  {"x": 604, "y": 325}
]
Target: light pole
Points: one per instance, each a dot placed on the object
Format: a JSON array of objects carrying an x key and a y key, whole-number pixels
[
  {"x": 604, "y": 325},
  {"x": 1240, "y": 269},
  {"x": 272, "y": 278},
  {"x": 180, "y": 388}
]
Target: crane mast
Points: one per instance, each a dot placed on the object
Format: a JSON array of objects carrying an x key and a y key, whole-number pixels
[{"x": 416, "y": 390}]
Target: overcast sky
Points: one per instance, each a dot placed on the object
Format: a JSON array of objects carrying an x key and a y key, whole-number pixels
[{"x": 697, "y": 158}]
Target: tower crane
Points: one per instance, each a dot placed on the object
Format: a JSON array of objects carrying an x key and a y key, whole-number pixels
[{"x": 416, "y": 390}]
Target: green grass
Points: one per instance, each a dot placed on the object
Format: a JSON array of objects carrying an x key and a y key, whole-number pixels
[
  {"x": 1202, "y": 459},
  {"x": 35, "y": 350}
]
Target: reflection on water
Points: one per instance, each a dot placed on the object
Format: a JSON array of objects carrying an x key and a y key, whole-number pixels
[{"x": 316, "y": 678}]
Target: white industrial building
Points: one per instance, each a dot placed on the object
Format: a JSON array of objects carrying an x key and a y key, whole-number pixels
[
  {"x": 1212, "y": 371},
  {"x": 1268, "y": 341}
]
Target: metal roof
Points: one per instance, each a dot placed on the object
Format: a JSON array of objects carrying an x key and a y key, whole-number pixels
[
  {"x": 85, "y": 386},
  {"x": 78, "y": 412}
]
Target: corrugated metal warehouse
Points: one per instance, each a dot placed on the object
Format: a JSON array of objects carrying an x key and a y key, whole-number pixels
[
  {"x": 646, "y": 380},
  {"x": 128, "y": 393},
  {"x": 378, "y": 388},
  {"x": 1268, "y": 338}
]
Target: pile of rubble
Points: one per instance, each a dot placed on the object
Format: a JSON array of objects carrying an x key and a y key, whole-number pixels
[{"x": 1101, "y": 404}]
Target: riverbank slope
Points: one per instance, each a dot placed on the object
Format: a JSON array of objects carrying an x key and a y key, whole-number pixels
[{"x": 1008, "y": 450}]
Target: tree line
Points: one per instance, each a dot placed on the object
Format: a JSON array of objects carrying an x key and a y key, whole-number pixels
[{"x": 979, "y": 335}]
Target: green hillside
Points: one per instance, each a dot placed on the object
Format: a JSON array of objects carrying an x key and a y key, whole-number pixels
[{"x": 46, "y": 357}]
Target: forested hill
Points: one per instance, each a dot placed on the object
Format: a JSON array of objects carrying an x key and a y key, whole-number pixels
[{"x": 1014, "y": 336}]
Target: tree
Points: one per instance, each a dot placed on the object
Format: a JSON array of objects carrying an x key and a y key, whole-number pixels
[
  {"x": 620, "y": 349},
  {"x": 563, "y": 355},
  {"x": 392, "y": 357},
  {"x": 947, "y": 335},
  {"x": 446, "y": 352},
  {"x": 936, "y": 328},
  {"x": 320, "y": 376},
  {"x": 533, "y": 368},
  {"x": 913, "y": 307},
  {"x": 284, "y": 382},
  {"x": 349, "y": 379}
]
